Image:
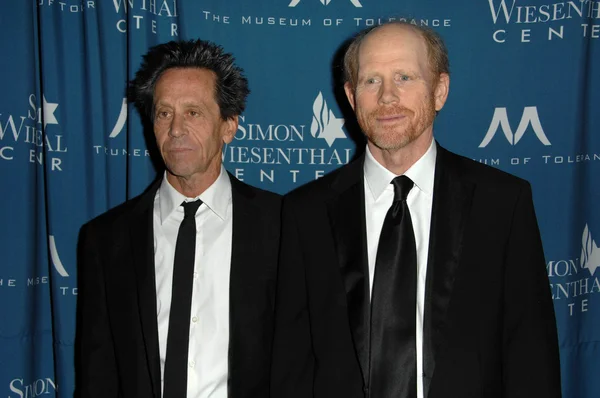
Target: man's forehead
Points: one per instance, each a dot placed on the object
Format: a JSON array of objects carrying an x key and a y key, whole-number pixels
[
  {"x": 190, "y": 72},
  {"x": 392, "y": 42},
  {"x": 391, "y": 35}
]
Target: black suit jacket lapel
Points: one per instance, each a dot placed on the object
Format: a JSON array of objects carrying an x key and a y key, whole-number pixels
[
  {"x": 242, "y": 280},
  {"x": 245, "y": 217},
  {"x": 452, "y": 197},
  {"x": 142, "y": 249},
  {"x": 346, "y": 211}
]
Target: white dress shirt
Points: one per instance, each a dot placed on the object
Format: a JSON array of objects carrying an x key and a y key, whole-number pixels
[
  {"x": 209, "y": 318},
  {"x": 379, "y": 195}
]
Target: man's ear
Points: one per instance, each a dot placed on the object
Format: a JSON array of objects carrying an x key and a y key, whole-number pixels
[
  {"x": 349, "y": 93},
  {"x": 230, "y": 128},
  {"x": 441, "y": 91}
]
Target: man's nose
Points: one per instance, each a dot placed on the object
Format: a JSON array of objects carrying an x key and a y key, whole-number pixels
[
  {"x": 389, "y": 92},
  {"x": 177, "y": 128}
]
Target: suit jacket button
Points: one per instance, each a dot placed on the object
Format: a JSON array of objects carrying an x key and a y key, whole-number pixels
[{"x": 366, "y": 390}]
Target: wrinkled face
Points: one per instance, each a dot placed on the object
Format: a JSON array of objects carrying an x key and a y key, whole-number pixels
[
  {"x": 396, "y": 97},
  {"x": 188, "y": 127}
]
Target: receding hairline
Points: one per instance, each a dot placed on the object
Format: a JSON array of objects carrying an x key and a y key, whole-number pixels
[
  {"x": 429, "y": 39},
  {"x": 394, "y": 25},
  {"x": 399, "y": 27}
]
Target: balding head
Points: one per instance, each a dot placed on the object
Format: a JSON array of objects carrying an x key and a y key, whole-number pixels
[{"x": 437, "y": 54}]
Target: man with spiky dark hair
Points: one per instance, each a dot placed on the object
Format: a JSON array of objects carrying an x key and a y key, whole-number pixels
[{"x": 176, "y": 285}]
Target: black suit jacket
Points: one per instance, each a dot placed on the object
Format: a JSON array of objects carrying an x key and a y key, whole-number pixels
[
  {"x": 489, "y": 326},
  {"x": 117, "y": 340}
]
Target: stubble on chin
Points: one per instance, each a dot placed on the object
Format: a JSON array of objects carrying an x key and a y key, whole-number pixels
[
  {"x": 388, "y": 137},
  {"x": 398, "y": 135}
]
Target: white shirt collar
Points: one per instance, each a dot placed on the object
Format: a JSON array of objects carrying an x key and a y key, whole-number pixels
[
  {"x": 421, "y": 173},
  {"x": 216, "y": 197}
]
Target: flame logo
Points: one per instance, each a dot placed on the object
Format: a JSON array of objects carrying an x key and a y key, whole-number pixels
[
  {"x": 590, "y": 254},
  {"x": 55, "y": 259},
  {"x": 324, "y": 123},
  {"x": 120, "y": 120}
]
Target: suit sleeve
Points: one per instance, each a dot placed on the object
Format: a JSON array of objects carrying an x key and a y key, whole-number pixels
[
  {"x": 95, "y": 356},
  {"x": 293, "y": 360},
  {"x": 530, "y": 343}
]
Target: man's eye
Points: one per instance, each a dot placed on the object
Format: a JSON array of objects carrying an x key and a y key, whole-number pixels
[
  {"x": 371, "y": 81},
  {"x": 162, "y": 114},
  {"x": 403, "y": 78},
  {"x": 194, "y": 113}
]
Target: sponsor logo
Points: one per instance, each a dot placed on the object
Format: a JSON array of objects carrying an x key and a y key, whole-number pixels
[
  {"x": 55, "y": 258},
  {"x": 572, "y": 287},
  {"x": 529, "y": 123},
  {"x": 60, "y": 269},
  {"x": 120, "y": 120},
  {"x": 147, "y": 15},
  {"x": 34, "y": 389},
  {"x": 590, "y": 254},
  {"x": 32, "y": 136},
  {"x": 500, "y": 120},
  {"x": 360, "y": 20},
  {"x": 39, "y": 280},
  {"x": 355, "y": 3},
  {"x": 550, "y": 22},
  {"x": 324, "y": 123},
  {"x": 114, "y": 148},
  {"x": 68, "y": 6},
  {"x": 267, "y": 152},
  {"x": 48, "y": 109},
  {"x": 8, "y": 282}
]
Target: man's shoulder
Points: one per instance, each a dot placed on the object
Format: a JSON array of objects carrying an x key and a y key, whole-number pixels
[
  {"x": 477, "y": 172},
  {"x": 329, "y": 185},
  {"x": 122, "y": 212},
  {"x": 258, "y": 196}
]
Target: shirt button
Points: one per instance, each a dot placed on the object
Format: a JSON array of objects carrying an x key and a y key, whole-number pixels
[
  {"x": 195, "y": 319},
  {"x": 192, "y": 364},
  {"x": 195, "y": 275}
]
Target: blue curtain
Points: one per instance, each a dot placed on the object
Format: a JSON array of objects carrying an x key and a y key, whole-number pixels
[{"x": 523, "y": 98}]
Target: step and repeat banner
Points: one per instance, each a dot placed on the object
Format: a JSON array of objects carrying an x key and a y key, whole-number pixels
[{"x": 524, "y": 97}]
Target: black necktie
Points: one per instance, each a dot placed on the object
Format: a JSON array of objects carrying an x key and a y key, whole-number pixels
[
  {"x": 175, "y": 377},
  {"x": 393, "y": 368}
]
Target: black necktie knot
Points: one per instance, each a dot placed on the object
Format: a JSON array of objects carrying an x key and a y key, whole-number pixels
[
  {"x": 190, "y": 208},
  {"x": 402, "y": 186}
]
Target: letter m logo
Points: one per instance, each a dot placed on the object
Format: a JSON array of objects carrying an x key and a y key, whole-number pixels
[
  {"x": 529, "y": 117},
  {"x": 294, "y": 3}
]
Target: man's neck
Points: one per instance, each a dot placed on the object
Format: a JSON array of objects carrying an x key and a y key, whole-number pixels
[
  {"x": 399, "y": 160},
  {"x": 196, "y": 184}
]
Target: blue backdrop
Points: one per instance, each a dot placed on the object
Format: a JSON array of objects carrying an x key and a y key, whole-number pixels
[{"x": 523, "y": 97}]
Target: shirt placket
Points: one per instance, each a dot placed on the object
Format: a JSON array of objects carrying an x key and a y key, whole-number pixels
[{"x": 193, "y": 350}]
